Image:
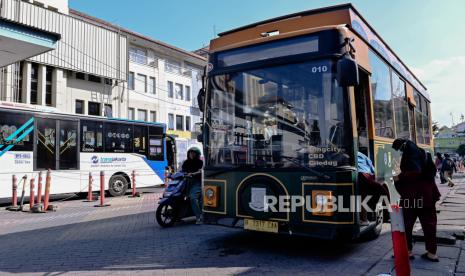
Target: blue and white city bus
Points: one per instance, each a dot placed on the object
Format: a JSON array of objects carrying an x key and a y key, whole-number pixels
[{"x": 34, "y": 139}]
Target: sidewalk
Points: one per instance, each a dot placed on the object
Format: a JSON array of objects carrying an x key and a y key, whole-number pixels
[{"x": 451, "y": 229}]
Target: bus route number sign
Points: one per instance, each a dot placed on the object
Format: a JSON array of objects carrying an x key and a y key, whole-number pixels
[{"x": 319, "y": 69}]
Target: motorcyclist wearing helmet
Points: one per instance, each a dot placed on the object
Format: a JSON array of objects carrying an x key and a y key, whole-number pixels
[{"x": 193, "y": 167}]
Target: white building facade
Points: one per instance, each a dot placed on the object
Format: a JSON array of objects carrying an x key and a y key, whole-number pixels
[
  {"x": 85, "y": 73},
  {"x": 162, "y": 84}
]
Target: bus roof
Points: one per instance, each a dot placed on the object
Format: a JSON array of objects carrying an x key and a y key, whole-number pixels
[
  {"x": 53, "y": 110},
  {"x": 344, "y": 14}
]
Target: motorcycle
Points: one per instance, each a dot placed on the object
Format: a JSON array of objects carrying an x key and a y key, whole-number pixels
[{"x": 174, "y": 204}]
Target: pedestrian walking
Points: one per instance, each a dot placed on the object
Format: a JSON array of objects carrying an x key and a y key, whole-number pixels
[
  {"x": 438, "y": 164},
  {"x": 419, "y": 194},
  {"x": 193, "y": 167},
  {"x": 448, "y": 168}
]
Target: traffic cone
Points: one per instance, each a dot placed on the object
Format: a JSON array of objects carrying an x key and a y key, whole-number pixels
[{"x": 399, "y": 242}]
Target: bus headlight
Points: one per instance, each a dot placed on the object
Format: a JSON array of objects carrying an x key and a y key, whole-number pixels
[
  {"x": 322, "y": 204},
  {"x": 210, "y": 196}
]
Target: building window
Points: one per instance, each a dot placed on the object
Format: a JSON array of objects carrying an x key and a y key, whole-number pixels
[
  {"x": 48, "y": 85},
  {"x": 108, "y": 81},
  {"x": 400, "y": 107},
  {"x": 188, "y": 123},
  {"x": 170, "y": 89},
  {"x": 382, "y": 97},
  {"x": 34, "y": 82},
  {"x": 93, "y": 108},
  {"x": 142, "y": 115},
  {"x": 138, "y": 55},
  {"x": 131, "y": 113},
  {"x": 188, "y": 93},
  {"x": 142, "y": 79},
  {"x": 80, "y": 76},
  {"x": 179, "y": 123},
  {"x": 170, "y": 121},
  {"x": 131, "y": 81},
  {"x": 93, "y": 78},
  {"x": 173, "y": 66},
  {"x": 108, "y": 111},
  {"x": 152, "y": 85},
  {"x": 79, "y": 108},
  {"x": 178, "y": 91},
  {"x": 153, "y": 116}
]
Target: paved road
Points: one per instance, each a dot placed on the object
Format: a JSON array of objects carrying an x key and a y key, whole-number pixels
[{"x": 124, "y": 239}]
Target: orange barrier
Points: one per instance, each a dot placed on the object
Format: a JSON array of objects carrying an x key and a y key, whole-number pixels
[
  {"x": 39, "y": 189},
  {"x": 90, "y": 196},
  {"x": 14, "y": 197},
  {"x": 133, "y": 183},
  {"x": 48, "y": 180},
  {"x": 165, "y": 181},
  {"x": 31, "y": 193},
  {"x": 399, "y": 242},
  {"x": 102, "y": 191}
]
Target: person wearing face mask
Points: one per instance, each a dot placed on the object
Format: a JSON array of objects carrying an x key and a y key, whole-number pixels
[{"x": 419, "y": 194}]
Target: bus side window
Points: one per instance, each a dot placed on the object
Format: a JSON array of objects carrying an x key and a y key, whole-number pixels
[
  {"x": 140, "y": 139},
  {"x": 156, "y": 149},
  {"x": 118, "y": 137},
  {"x": 10, "y": 123},
  {"x": 92, "y": 136}
]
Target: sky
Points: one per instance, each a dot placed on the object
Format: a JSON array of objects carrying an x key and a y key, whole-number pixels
[{"x": 428, "y": 35}]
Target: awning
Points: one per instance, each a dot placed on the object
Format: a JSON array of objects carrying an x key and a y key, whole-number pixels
[{"x": 19, "y": 42}]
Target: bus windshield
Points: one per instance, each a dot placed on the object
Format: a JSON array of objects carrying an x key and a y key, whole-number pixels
[{"x": 287, "y": 116}]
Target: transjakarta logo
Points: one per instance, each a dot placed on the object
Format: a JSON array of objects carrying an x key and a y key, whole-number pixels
[
  {"x": 106, "y": 160},
  {"x": 94, "y": 159}
]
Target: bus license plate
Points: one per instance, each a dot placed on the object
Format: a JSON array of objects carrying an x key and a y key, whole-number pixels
[{"x": 261, "y": 225}]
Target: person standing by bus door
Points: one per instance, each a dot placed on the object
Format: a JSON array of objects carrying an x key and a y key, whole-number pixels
[
  {"x": 193, "y": 167},
  {"x": 448, "y": 168},
  {"x": 368, "y": 185},
  {"x": 419, "y": 194}
]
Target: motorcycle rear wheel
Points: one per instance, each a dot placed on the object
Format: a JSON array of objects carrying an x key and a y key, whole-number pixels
[{"x": 165, "y": 215}]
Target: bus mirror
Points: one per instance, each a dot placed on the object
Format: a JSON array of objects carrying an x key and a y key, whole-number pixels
[
  {"x": 200, "y": 138},
  {"x": 347, "y": 71},
  {"x": 201, "y": 99}
]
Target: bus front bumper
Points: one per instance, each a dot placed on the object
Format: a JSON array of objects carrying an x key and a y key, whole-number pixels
[{"x": 313, "y": 230}]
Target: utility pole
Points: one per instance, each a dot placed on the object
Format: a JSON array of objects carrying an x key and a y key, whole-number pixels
[{"x": 452, "y": 117}]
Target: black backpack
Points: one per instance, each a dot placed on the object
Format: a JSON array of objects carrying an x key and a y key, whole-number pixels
[{"x": 448, "y": 165}]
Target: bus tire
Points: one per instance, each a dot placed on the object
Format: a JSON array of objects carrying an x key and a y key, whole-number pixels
[{"x": 118, "y": 185}]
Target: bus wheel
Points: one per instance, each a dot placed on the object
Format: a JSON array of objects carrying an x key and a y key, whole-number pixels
[{"x": 118, "y": 185}]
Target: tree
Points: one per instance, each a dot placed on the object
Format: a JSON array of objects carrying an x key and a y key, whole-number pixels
[{"x": 461, "y": 150}]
